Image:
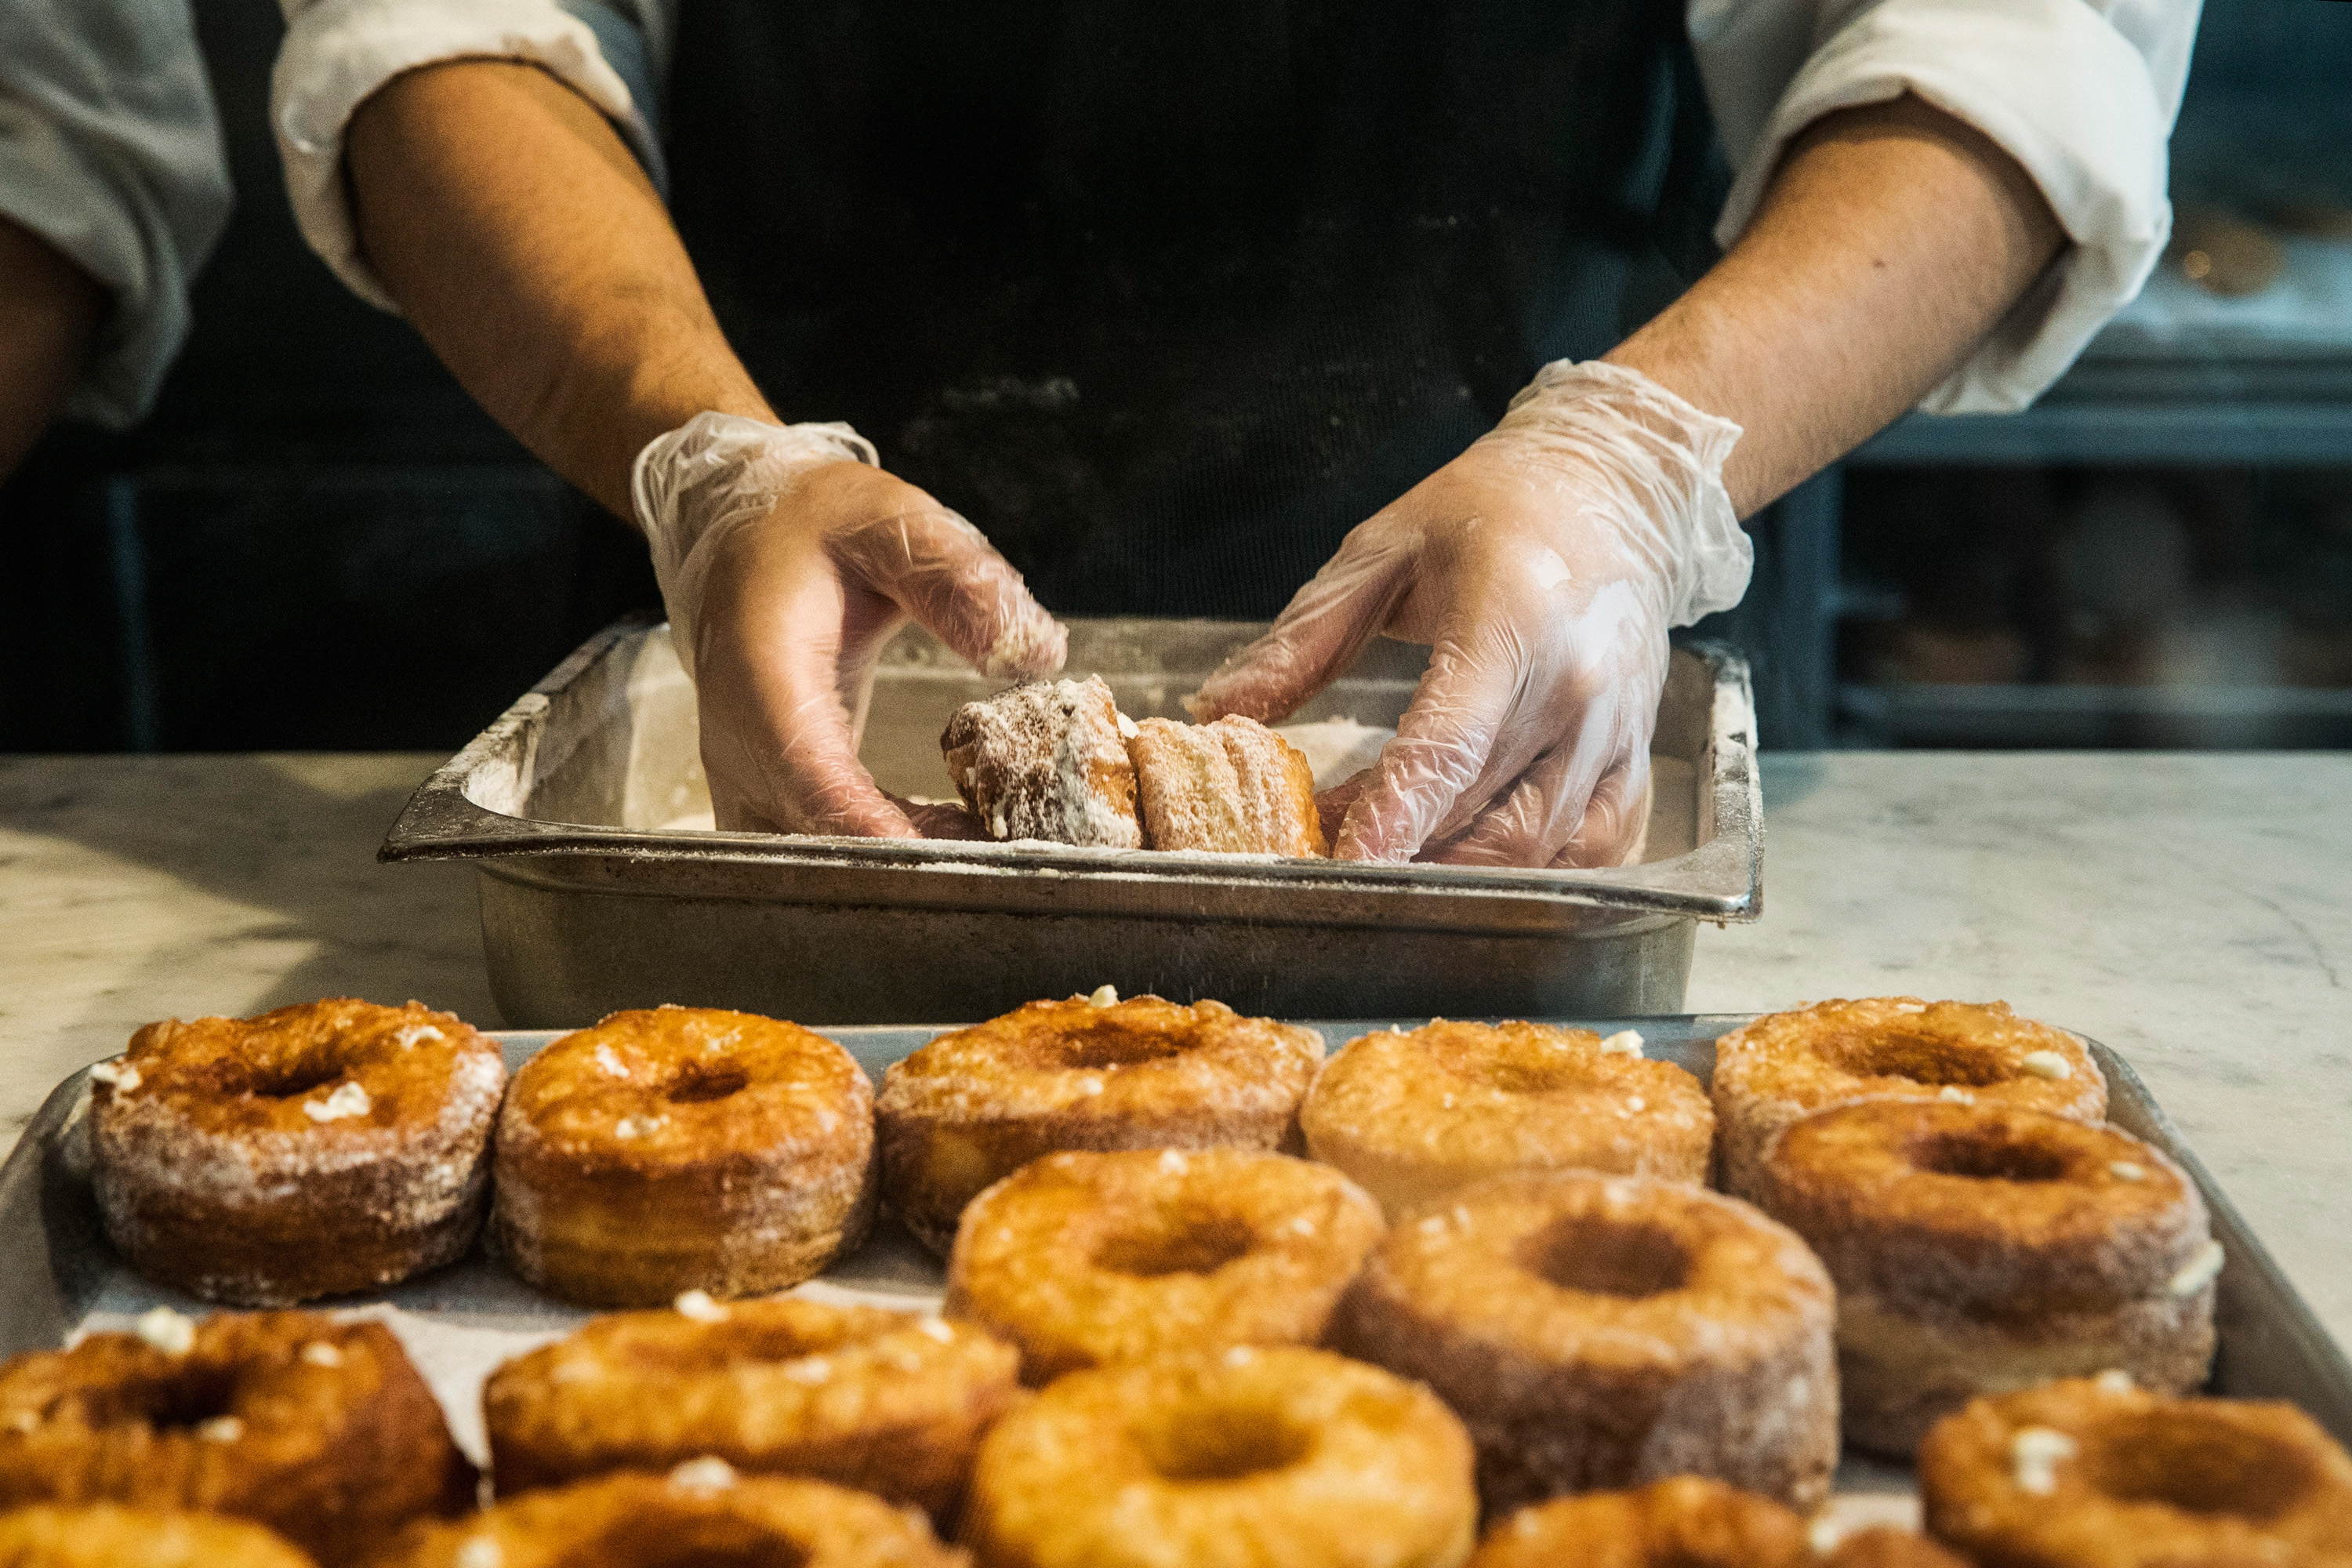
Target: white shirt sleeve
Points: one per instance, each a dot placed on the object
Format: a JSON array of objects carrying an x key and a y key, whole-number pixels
[
  {"x": 339, "y": 52},
  {"x": 2082, "y": 93},
  {"x": 110, "y": 151}
]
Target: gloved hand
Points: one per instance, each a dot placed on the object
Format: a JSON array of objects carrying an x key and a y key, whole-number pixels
[
  {"x": 787, "y": 558},
  {"x": 1542, "y": 567}
]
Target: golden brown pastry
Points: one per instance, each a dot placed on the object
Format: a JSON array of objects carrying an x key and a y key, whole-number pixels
[
  {"x": 1684, "y": 1521},
  {"x": 1046, "y": 759},
  {"x": 102, "y": 1535},
  {"x": 1233, "y": 786}
]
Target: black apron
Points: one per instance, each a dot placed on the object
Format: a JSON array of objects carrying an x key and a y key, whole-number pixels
[{"x": 1167, "y": 298}]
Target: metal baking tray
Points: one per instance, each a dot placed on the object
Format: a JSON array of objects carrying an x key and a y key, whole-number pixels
[
  {"x": 594, "y": 895},
  {"x": 459, "y": 1323}
]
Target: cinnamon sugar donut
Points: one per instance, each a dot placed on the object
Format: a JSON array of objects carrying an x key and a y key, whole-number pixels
[
  {"x": 104, "y": 1536},
  {"x": 321, "y": 1430},
  {"x": 1047, "y": 760},
  {"x": 1288, "y": 1455},
  {"x": 312, "y": 1150},
  {"x": 974, "y": 1106},
  {"x": 1605, "y": 1330},
  {"x": 1086, "y": 1259},
  {"x": 701, "y": 1513},
  {"x": 683, "y": 1149},
  {"x": 1978, "y": 1248},
  {"x": 885, "y": 1402},
  {"x": 1413, "y": 1117},
  {"x": 2094, "y": 1473},
  {"x": 1786, "y": 1065},
  {"x": 1683, "y": 1521},
  {"x": 1232, "y": 786}
]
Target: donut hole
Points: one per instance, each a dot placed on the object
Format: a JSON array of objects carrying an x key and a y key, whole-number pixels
[
  {"x": 1978, "y": 1157},
  {"x": 188, "y": 1398},
  {"x": 291, "y": 1080},
  {"x": 1937, "y": 1061},
  {"x": 1113, "y": 1045},
  {"x": 1606, "y": 1258},
  {"x": 2190, "y": 1461},
  {"x": 1202, "y": 1248},
  {"x": 1221, "y": 1442},
  {"x": 663, "y": 1539},
  {"x": 696, "y": 1083}
]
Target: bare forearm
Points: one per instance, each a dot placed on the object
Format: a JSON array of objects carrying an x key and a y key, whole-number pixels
[
  {"x": 50, "y": 310},
  {"x": 509, "y": 220},
  {"x": 1892, "y": 240}
]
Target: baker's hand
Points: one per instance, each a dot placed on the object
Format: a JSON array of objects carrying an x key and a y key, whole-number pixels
[
  {"x": 1542, "y": 567},
  {"x": 787, "y": 558}
]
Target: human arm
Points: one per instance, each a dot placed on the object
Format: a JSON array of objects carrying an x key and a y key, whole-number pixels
[{"x": 50, "y": 310}]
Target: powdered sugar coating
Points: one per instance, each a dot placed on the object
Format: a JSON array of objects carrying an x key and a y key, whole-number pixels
[
  {"x": 1047, "y": 761},
  {"x": 1233, "y": 788}
]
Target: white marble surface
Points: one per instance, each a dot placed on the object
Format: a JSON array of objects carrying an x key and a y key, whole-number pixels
[{"x": 2195, "y": 912}]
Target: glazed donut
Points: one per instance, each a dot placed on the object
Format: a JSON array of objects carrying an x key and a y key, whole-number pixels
[
  {"x": 1977, "y": 1248},
  {"x": 1413, "y": 1117},
  {"x": 1083, "y": 1259},
  {"x": 1607, "y": 1331},
  {"x": 1884, "y": 1546},
  {"x": 2094, "y": 1473},
  {"x": 1254, "y": 1457},
  {"x": 321, "y": 1430},
  {"x": 975, "y": 1106},
  {"x": 701, "y": 1512},
  {"x": 1787, "y": 1064},
  {"x": 1683, "y": 1521},
  {"x": 309, "y": 1152},
  {"x": 104, "y": 1536},
  {"x": 683, "y": 1149},
  {"x": 885, "y": 1402}
]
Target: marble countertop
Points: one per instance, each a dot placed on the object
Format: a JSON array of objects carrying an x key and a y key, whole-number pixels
[{"x": 2193, "y": 911}]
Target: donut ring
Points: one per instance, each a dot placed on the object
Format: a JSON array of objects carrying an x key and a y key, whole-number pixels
[
  {"x": 104, "y": 1536},
  {"x": 1884, "y": 1546},
  {"x": 1600, "y": 1331},
  {"x": 1415, "y": 1117},
  {"x": 1788, "y": 1064},
  {"x": 885, "y": 1402},
  {"x": 321, "y": 1430},
  {"x": 1978, "y": 1248},
  {"x": 1683, "y": 1521},
  {"x": 2094, "y": 1473},
  {"x": 683, "y": 1149},
  {"x": 1084, "y": 1259},
  {"x": 312, "y": 1150},
  {"x": 972, "y": 1107},
  {"x": 1285, "y": 1455},
  {"x": 701, "y": 1512}
]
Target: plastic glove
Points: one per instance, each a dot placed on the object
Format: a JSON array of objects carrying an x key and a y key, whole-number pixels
[
  {"x": 787, "y": 558},
  {"x": 1542, "y": 567}
]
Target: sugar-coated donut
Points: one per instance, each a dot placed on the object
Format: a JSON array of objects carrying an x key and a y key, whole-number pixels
[
  {"x": 682, "y": 1149},
  {"x": 321, "y": 1430},
  {"x": 2094, "y": 1473},
  {"x": 1233, "y": 786},
  {"x": 1683, "y": 1521},
  {"x": 1413, "y": 1117},
  {"x": 102, "y": 1535},
  {"x": 1084, "y": 1259},
  {"x": 1787, "y": 1064},
  {"x": 976, "y": 1105},
  {"x": 309, "y": 1152},
  {"x": 1607, "y": 1331},
  {"x": 1254, "y": 1457},
  {"x": 1046, "y": 759},
  {"x": 1884, "y": 1546},
  {"x": 1978, "y": 1248},
  {"x": 889, "y": 1403},
  {"x": 701, "y": 1513}
]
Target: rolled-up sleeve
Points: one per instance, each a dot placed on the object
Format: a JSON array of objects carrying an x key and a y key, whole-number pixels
[
  {"x": 110, "y": 151},
  {"x": 338, "y": 52},
  {"x": 2082, "y": 93}
]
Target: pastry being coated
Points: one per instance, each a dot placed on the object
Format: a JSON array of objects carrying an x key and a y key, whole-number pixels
[
  {"x": 974, "y": 1106},
  {"x": 1978, "y": 1248},
  {"x": 1598, "y": 1332},
  {"x": 1684, "y": 1521},
  {"x": 1046, "y": 759},
  {"x": 102, "y": 1535},
  {"x": 1084, "y": 1259},
  {"x": 885, "y": 1402},
  {"x": 701, "y": 1513},
  {"x": 1413, "y": 1117},
  {"x": 1233, "y": 785},
  {"x": 1788, "y": 1064},
  {"x": 683, "y": 1149},
  {"x": 310, "y": 1152},
  {"x": 2094, "y": 1473},
  {"x": 1245, "y": 1459},
  {"x": 318, "y": 1429}
]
